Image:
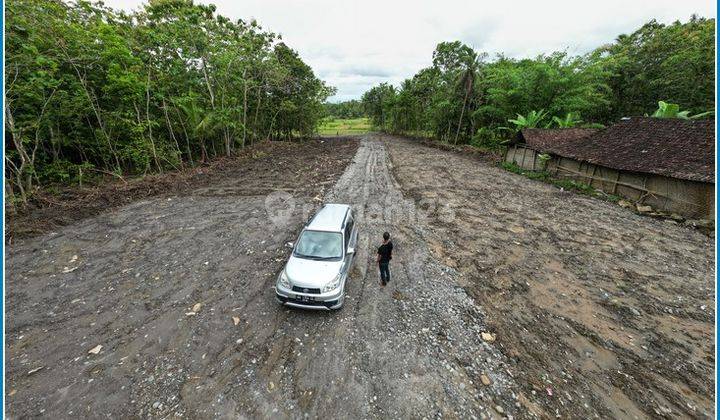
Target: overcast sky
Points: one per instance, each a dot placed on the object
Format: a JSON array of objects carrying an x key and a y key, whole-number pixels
[{"x": 354, "y": 45}]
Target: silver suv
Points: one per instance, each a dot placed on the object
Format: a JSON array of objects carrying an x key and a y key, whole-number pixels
[{"x": 315, "y": 274}]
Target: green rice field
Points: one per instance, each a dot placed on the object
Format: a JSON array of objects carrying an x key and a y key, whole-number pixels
[{"x": 341, "y": 127}]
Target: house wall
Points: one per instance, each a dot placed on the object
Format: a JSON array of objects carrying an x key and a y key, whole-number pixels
[
  {"x": 524, "y": 157},
  {"x": 691, "y": 199}
]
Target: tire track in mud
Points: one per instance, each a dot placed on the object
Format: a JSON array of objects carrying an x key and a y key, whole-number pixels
[
  {"x": 369, "y": 341},
  {"x": 381, "y": 206}
]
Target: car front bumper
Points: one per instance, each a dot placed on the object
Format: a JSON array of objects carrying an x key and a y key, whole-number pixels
[{"x": 324, "y": 301}]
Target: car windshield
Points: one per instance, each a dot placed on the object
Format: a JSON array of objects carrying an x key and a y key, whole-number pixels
[{"x": 319, "y": 245}]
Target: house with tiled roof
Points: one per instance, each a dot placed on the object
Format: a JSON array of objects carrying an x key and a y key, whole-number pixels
[{"x": 665, "y": 163}]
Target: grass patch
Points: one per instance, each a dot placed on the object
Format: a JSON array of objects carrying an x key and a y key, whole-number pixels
[
  {"x": 331, "y": 126},
  {"x": 514, "y": 168}
]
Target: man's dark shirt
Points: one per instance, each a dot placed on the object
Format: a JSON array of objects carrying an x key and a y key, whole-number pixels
[{"x": 385, "y": 252}]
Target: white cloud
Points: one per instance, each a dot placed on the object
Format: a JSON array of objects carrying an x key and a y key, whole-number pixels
[{"x": 354, "y": 45}]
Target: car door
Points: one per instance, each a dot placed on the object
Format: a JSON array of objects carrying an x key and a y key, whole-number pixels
[{"x": 350, "y": 237}]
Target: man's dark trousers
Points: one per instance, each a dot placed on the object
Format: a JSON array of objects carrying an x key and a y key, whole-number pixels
[{"x": 384, "y": 272}]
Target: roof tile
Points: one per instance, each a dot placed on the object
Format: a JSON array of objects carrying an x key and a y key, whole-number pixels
[
  {"x": 673, "y": 147},
  {"x": 548, "y": 139}
]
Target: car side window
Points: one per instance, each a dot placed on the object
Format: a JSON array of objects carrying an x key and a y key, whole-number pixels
[{"x": 348, "y": 230}]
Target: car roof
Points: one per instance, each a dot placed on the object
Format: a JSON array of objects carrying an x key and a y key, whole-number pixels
[{"x": 329, "y": 218}]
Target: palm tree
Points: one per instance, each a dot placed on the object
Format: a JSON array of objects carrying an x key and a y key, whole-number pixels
[
  {"x": 201, "y": 122},
  {"x": 467, "y": 83}
]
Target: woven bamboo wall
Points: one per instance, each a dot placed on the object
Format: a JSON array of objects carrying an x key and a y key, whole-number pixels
[{"x": 690, "y": 199}]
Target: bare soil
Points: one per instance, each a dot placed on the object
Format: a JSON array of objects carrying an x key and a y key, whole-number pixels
[
  {"x": 508, "y": 297},
  {"x": 599, "y": 311}
]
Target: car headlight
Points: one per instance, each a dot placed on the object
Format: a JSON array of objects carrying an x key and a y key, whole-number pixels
[
  {"x": 284, "y": 281},
  {"x": 332, "y": 284}
]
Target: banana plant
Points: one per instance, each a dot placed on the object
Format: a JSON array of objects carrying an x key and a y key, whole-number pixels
[
  {"x": 532, "y": 120},
  {"x": 668, "y": 110},
  {"x": 568, "y": 121}
]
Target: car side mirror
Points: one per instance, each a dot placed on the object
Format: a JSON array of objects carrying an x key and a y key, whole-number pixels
[
  {"x": 290, "y": 245},
  {"x": 350, "y": 250}
]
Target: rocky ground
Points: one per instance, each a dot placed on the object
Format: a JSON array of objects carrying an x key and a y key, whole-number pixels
[{"x": 508, "y": 298}]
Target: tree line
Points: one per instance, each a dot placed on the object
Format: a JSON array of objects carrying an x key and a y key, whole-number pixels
[
  {"x": 92, "y": 90},
  {"x": 466, "y": 97},
  {"x": 346, "y": 109}
]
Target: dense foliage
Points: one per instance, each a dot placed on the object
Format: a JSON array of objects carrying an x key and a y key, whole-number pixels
[
  {"x": 91, "y": 89},
  {"x": 466, "y": 97},
  {"x": 347, "y": 110}
]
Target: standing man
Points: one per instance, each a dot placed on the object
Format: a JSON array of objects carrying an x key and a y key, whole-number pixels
[{"x": 384, "y": 255}]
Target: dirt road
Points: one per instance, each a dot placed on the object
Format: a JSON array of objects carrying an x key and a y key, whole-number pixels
[{"x": 595, "y": 311}]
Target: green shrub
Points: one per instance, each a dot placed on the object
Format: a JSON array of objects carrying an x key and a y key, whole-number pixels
[
  {"x": 486, "y": 138},
  {"x": 514, "y": 168},
  {"x": 63, "y": 171},
  {"x": 571, "y": 185}
]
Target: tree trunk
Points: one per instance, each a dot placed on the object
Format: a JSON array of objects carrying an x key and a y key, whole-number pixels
[
  {"x": 462, "y": 113},
  {"x": 149, "y": 123},
  {"x": 245, "y": 103},
  {"x": 203, "y": 150},
  {"x": 226, "y": 137},
  {"x": 207, "y": 83},
  {"x": 138, "y": 117},
  {"x": 97, "y": 111},
  {"x": 272, "y": 122},
  {"x": 214, "y": 150},
  {"x": 16, "y": 136},
  {"x": 187, "y": 138},
  {"x": 245, "y": 90},
  {"x": 255, "y": 119},
  {"x": 172, "y": 133},
  {"x": 10, "y": 196},
  {"x": 18, "y": 180}
]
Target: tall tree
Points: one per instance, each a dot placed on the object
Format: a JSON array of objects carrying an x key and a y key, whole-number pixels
[
  {"x": 464, "y": 97},
  {"x": 92, "y": 90}
]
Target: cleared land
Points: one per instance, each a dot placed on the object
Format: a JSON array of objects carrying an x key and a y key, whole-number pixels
[
  {"x": 594, "y": 310},
  {"x": 599, "y": 311},
  {"x": 342, "y": 127}
]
